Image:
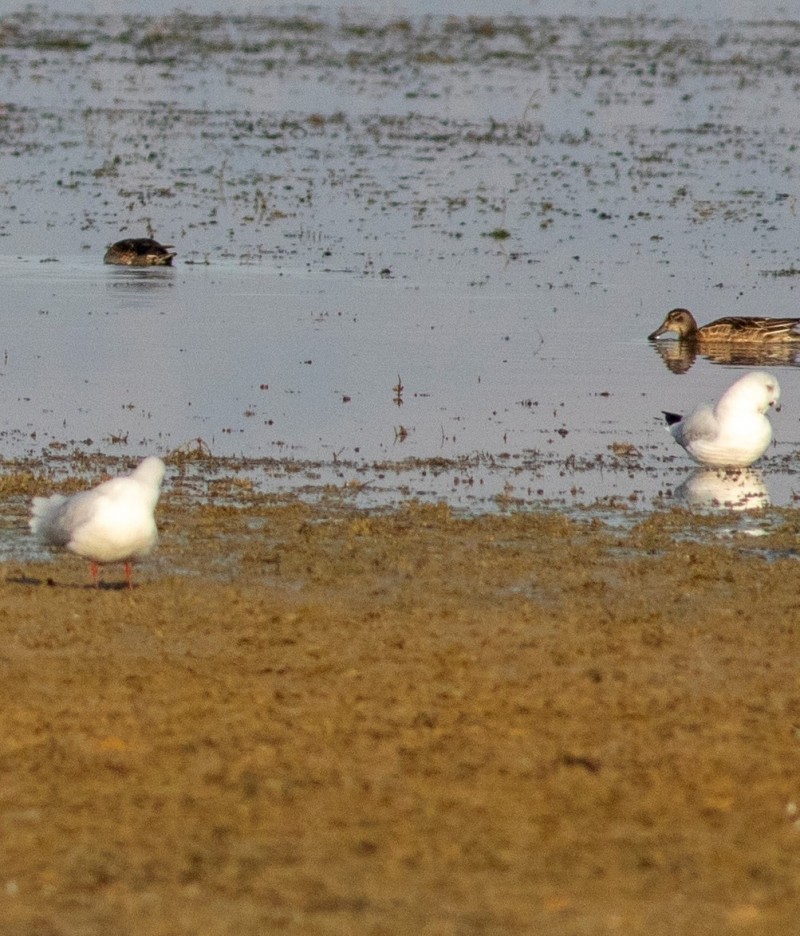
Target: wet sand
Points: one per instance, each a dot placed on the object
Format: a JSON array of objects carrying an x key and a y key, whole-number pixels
[{"x": 316, "y": 719}]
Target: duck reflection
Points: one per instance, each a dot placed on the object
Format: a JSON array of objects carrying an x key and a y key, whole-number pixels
[
  {"x": 728, "y": 488},
  {"x": 140, "y": 279},
  {"x": 678, "y": 356}
]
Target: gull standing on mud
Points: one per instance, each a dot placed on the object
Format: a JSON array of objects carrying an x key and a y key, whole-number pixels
[
  {"x": 113, "y": 522},
  {"x": 734, "y": 433}
]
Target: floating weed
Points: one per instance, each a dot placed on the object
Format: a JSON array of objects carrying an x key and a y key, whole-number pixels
[{"x": 787, "y": 271}]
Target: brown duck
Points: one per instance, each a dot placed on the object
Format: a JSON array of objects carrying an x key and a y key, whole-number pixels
[
  {"x": 139, "y": 251},
  {"x": 739, "y": 329}
]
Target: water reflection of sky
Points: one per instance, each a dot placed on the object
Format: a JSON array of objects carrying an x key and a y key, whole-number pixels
[{"x": 345, "y": 214}]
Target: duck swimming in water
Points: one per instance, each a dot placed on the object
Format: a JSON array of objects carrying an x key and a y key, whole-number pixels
[
  {"x": 739, "y": 329},
  {"x": 139, "y": 251}
]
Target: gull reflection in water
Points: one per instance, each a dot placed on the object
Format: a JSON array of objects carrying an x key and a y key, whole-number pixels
[
  {"x": 678, "y": 356},
  {"x": 729, "y": 488}
]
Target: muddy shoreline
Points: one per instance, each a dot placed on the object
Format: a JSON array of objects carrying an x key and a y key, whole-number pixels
[{"x": 336, "y": 720}]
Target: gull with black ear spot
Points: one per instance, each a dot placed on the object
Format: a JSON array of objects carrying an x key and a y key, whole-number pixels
[{"x": 735, "y": 432}]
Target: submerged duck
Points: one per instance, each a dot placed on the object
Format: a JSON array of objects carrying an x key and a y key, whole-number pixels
[
  {"x": 732, "y": 328},
  {"x": 735, "y": 432},
  {"x": 139, "y": 251}
]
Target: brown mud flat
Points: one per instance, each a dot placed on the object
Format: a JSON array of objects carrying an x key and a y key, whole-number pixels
[{"x": 335, "y": 721}]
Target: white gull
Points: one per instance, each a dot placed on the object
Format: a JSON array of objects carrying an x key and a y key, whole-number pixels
[
  {"x": 735, "y": 432},
  {"x": 113, "y": 522}
]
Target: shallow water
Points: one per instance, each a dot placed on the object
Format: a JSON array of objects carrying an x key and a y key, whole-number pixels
[
  {"x": 491, "y": 216},
  {"x": 699, "y": 9}
]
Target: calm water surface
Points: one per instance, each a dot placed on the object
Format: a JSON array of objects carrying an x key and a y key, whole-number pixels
[{"x": 435, "y": 240}]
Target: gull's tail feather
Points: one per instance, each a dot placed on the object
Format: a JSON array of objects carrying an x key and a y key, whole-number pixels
[{"x": 44, "y": 511}]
